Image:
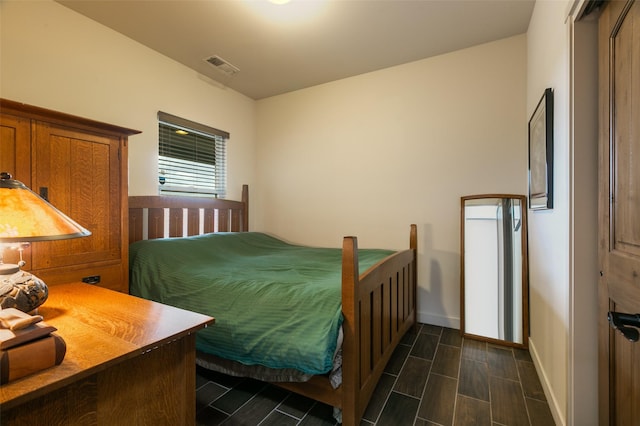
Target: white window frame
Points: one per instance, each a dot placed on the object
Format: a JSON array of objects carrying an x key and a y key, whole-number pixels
[{"x": 183, "y": 168}]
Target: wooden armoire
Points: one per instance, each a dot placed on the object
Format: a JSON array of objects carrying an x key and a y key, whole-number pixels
[{"x": 80, "y": 166}]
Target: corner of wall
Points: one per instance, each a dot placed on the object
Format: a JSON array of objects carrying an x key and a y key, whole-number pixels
[{"x": 554, "y": 406}]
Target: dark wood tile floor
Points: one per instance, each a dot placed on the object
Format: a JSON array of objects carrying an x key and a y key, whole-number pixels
[{"x": 435, "y": 377}]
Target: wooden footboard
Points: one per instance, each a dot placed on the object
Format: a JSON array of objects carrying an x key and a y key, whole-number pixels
[{"x": 379, "y": 306}]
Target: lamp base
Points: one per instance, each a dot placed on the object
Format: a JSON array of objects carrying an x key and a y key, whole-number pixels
[
  {"x": 8, "y": 268},
  {"x": 22, "y": 290}
]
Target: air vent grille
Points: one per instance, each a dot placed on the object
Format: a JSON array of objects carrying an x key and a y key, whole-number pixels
[{"x": 223, "y": 66}]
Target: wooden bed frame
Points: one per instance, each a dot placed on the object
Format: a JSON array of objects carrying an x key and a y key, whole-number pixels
[{"x": 379, "y": 306}]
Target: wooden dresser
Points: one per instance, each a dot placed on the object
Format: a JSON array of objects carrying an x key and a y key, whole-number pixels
[
  {"x": 129, "y": 361},
  {"x": 79, "y": 166}
]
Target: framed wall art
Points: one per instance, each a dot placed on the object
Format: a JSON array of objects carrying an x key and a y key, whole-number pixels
[{"x": 541, "y": 154}]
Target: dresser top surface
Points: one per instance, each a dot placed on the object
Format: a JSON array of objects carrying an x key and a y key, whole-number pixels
[{"x": 100, "y": 328}]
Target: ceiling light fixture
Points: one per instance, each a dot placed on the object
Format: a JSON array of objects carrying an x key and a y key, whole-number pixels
[{"x": 287, "y": 12}]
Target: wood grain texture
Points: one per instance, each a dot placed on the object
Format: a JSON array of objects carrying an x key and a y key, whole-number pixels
[
  {"x": 439, "y": 400},
  {"x": 474, "y": 379},
  {"x": 125, "y": 355},
  {"x": 451, "y": 337},
  {"x": 379, "y": 397},
  {"x": 425, "y": 346},
  {"x": 472, "y": 412},
  {"x": 160, "y": 387},
  {"x": 502, "y": 363},
  {"x": 399, "y": 410},
  {"x": 15, "y": 158},
  {"x": 530, "y": 382},
  {"x": 618, "y": 202},
  {"x": 83, "y": 181},
  {"x": 447, "y": 360},
  {"x": 15, "y": 146},
  {"x": 413, "y": 377},
  {"x": 539, "y": 413},
  {"x": 507, "y": 402},
  {"x": 474, "y": 349},
  {"x": 218, "y": 215}
]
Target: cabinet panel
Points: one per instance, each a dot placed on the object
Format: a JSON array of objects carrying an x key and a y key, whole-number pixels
[
  {"x": 15, "y": 158},
  {"x": 80, "y": 173},
  {"x": 103, "y": 275},
  {"x": 15, "y": 149}
]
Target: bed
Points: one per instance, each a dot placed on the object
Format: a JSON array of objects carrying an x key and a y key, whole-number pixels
[{"x": 376, "y": 306}]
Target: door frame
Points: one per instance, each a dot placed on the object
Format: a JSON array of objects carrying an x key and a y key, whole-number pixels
[{"x": 582, "y": 386}]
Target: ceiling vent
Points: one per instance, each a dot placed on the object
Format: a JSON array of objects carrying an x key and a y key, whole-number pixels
[{"x": 223, "y": 66}]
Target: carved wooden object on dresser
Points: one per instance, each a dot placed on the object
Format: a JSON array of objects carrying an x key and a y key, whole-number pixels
[{"x": 80, "y": 166}]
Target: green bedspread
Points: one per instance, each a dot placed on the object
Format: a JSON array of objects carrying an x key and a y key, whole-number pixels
[{"x": 275, "y": 304}]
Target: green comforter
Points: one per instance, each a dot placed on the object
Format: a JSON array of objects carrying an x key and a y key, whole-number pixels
[{"x": 275, "y": 304}]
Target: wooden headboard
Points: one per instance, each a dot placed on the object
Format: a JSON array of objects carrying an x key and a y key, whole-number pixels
[{"x": 153, "y": 217}]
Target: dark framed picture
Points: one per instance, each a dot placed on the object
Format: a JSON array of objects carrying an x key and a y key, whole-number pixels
[{"x": 541, "y": 154}]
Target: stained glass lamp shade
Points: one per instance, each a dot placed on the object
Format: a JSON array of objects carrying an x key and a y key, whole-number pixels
[{"x": 24, "y": 218}]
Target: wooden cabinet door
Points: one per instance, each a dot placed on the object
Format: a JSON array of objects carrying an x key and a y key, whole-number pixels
[
  {"x": 79, "y": 173},
  {"x": 15, "y": 158},
  {"x": 619, "y": 211},
  {"x": 15, "y": 147}
]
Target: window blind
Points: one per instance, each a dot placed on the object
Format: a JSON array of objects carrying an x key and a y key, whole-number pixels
[{"x": 191, "y": 158}]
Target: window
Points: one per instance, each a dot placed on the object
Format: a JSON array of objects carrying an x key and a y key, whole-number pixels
[{"x": 192, "y": 158}]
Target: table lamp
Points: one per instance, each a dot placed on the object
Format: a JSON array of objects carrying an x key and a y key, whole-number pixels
[{"x": 24, "y": 218}]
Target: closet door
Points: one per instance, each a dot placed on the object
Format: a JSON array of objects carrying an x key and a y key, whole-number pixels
[
  {"x": 619, "y": 227},
  {"x": 79, "y": 173}
]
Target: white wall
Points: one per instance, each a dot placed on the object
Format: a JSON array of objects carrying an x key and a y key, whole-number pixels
[
  {"x": 55, "y": 58},
  {"x": 548, "y": 62},
  {"x": 369, "y": 155},
  {"x": 563, "y": 241}
]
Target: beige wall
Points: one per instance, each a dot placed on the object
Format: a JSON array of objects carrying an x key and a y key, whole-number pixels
[
  {"x": 55, "y": 58},
  {"x": 363, "y": 156},
  {"x": 369, "y": 155},
  {"x": 563, "y": 241},
  {"x": 548, "y": 61}
]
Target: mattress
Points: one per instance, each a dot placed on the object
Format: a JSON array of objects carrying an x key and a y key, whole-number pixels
[{"x": 276, "y": 304}]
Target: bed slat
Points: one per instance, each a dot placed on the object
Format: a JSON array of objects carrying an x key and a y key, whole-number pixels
[
  {"x": 175, "y": 222},
  {"x": 193, "y": 222},
  {"x": 135, "y": 225},
  {"x": 209, "y": 221},
  {"x": 155, "y": 223}
]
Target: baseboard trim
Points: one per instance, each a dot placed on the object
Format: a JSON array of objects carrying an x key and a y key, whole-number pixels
[
  {"x": 440, "y": 320},
  {"x": 544, "y": 380}
]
